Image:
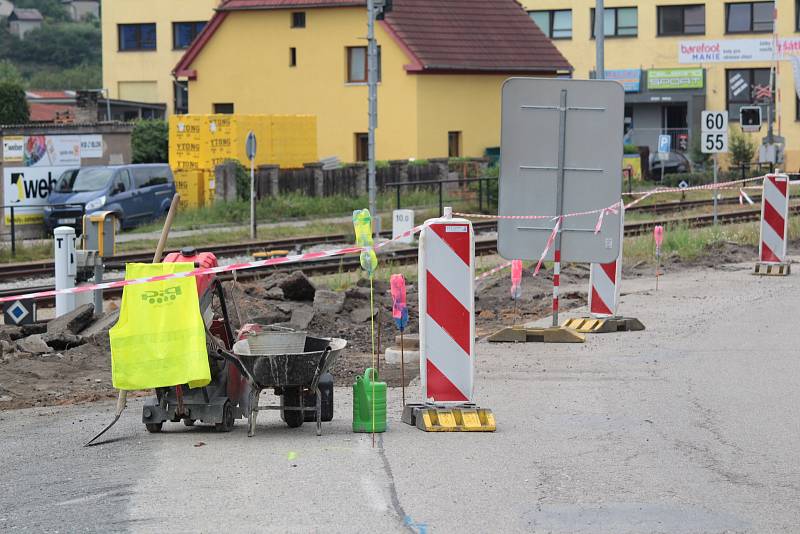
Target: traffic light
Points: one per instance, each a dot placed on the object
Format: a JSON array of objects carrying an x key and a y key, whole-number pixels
[{"x": 750, "y": 118}]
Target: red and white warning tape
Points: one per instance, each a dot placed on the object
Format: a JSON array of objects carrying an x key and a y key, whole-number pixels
[
  {"x": 354, "y": 250},
  {"x": 210, "y": 270}
]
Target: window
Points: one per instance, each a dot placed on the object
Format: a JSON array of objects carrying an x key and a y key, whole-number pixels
[
  {"x": 454, "y": 144},
  {"x": 741, "y": 85},
  {"x": 797, "y": 15},
  {"x": 619, "y": 22},
  {"x": 682, "y": 20},
  {"x": 150, "y": 176},
  {"x": 362, "y": 147},
  {"x": 137, "y": 36},
  {"x": 183, "y": 33},
  {"x": 123, "y": 181},
  {"x": 223, "y": 108},
  {"x": 299, "y": 19},
  {"x": 181, "y": 97},
  {"x": 554, "y": 24},
  {"x": 357, "y": 64},
  {"x": 749, "y": 17},
  {"x": 293, "y": 57}
]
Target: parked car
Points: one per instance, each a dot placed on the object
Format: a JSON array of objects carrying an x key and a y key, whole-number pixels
[
  {"x": 676, "y": 162},
  {"x": 135, "y": 193}
]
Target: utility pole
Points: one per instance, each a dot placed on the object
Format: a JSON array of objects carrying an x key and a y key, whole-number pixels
[
  {"x": 372, "y": 82},
  {"x": 599, "y": 39}
]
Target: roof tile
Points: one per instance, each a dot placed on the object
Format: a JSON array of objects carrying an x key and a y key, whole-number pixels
[{"x": 442, "y": 35}]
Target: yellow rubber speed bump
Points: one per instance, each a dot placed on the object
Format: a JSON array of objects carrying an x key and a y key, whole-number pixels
[
  {"x": 432, "y": 418},
  {"x": 591, "y": 325},
  {"x": 773, "y": 269},
  {"x": 525, "y": 334}
]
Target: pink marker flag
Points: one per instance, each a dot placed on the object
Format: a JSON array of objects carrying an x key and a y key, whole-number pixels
[
  {"x": 658, "y": 234},
  {"x": 516, "y": 279},
  {"x": 399, "y": 308}
]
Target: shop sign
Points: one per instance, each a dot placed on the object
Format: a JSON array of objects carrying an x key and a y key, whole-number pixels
[
  {"x": 737, "y": 50},
  {"x": 13, "y": 148},
  {"x": 666, "y": 79},
  {"x": 629, "y": 78}
]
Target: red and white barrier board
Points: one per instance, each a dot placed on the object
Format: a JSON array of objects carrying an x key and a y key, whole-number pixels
[
  {"x": 774, "y": 219},
  {"x": 447, "y": 310},
  {"x": 604, "y": 281}
]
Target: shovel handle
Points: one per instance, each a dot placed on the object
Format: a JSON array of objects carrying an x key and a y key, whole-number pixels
[{"x": 122, "y": 400}]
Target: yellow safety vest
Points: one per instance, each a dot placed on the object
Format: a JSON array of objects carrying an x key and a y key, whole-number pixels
[{"x": 160, "y": 338}]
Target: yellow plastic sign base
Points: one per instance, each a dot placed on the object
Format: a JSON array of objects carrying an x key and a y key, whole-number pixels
[
  {"x": 525, "y": 334},
  {"x": 773, "y": 269},
  {"x": 461, "y": 418},
  {"x": 593, "y": 325}
]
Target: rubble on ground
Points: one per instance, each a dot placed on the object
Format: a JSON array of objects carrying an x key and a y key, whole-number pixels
[{"x": 68, "y": 359}]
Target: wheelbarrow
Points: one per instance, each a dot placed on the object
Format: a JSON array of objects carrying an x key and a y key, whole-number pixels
[{"x": 295, "y": 377}]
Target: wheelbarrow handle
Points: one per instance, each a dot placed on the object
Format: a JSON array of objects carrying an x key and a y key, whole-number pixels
[{"x": 239, "y": 365}]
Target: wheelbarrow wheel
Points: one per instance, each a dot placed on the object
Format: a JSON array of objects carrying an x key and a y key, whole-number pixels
[
  {"x": 227, "y": 419},
  {"x": 292, "y": 397},
  {"x": 153, "y": 428}
]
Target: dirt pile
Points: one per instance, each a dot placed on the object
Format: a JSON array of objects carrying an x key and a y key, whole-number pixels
[{"x": 63, "y": 361}]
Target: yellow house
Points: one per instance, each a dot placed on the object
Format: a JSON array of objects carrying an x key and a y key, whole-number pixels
[
  {"x": 679, "y": 57},
  {"x": 142, "y": 41},
  {"x": 442, "y": 63}
]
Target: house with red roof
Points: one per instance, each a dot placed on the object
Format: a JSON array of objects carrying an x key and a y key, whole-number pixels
[{"x": 442, "y": 66}]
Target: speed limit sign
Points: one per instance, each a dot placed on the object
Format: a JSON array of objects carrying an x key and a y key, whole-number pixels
[{"x": 714, "y": 132}]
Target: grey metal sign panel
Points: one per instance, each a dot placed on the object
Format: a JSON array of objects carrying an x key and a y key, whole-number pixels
[{"x": 534, "y": 160}]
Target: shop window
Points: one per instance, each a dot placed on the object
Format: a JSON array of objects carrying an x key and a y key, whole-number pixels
[
  {"x": 619, "y": 22},
  {"x": 682, "y": 20},
  {"x": 137, "y": 37},
  {"x": 299, "y": 19},
  {"x": 742, "y": 86},
  {"x": 223, "y": 108},
  {"x": 183, "y": 33},
  {"x": 749, "y": 17},
  {"x": 362, "y": 147},
  {"x": 357, "y": 64},
  {"x": 556, "y": 24},
  {"x": 454, "y": 144}
]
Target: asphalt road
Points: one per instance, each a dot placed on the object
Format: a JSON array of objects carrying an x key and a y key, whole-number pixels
[{"x": 692, "y": 426}]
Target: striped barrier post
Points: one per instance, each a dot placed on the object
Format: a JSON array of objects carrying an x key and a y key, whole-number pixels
[
  {"x": 605, "y": 280},
  {"x": 772, "y": 258},
  {"x": 447, "y": 329}
]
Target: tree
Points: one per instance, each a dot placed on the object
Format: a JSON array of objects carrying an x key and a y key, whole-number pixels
[
  {"x": 13, "y": 104},
  {"x": 698, "y": 157},
  {"x": 10, "y": 73},
  {"x": 59, "y": 44},
  {"x": 75, "y": 78},
  {"x": 743, "y": 150},
  {"x": 150, "y": 141}
]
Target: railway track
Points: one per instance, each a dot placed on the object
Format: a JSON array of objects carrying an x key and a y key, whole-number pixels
[
  {"x": 409, "y": 254},
  {"x": 14, "y": 271}
]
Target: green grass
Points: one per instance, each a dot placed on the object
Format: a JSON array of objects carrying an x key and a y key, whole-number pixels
[
  {"x": 26, "y": 252},
  {"x": 294, "y": 206},
  {"x": 692, "y": 244}
]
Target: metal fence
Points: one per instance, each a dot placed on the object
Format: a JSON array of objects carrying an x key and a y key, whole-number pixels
[
  {"x": 483, "y": 188},
  {"x": 13, "y": 210}
]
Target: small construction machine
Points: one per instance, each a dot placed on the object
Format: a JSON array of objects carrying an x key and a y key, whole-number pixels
[{"x": 298, "y": 374}]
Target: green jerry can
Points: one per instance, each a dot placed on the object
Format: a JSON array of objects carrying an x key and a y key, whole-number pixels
[{"x": 363, "y": 390}]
